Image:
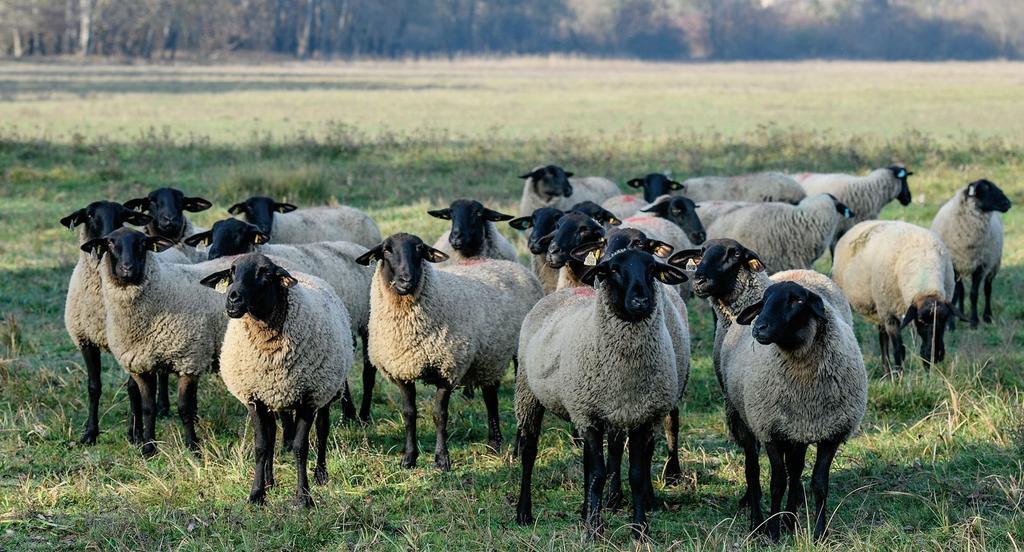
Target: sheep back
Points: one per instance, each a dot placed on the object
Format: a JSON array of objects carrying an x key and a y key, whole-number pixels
[
  {"x": 864, "y": 195},
  {"x": 624, "y": 206},
  {"x": 315, "y": 224},
  {"x": 758, "y": 187},
  {"x": 588, "y": 188}
]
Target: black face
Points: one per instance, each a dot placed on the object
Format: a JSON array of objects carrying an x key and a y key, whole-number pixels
[
  {"x": 629, "y": 280},
  {"x": 988, "y": 196},
  {"x": 469, "y": 224},
  {"x": 167, "y": 206},
  {"x": 719, "y": 264},
  {"x": 255, "y": 285},
  {"x": 260, "y": 211},
  {"x": 550, "y": 182},
  {"x": 655, "y": 185},
  {"x": 902, "y": 174},
  {"x": 784, "y": 316},
  {"x": 543, "y": 222},
  {"x": 402, "y": 257},
  {"x": 841, "y": 207},
  {"x": 126, "y": 251},
  {"x": 103, "y": 217},
  {"x": 596, "y": 212},
  {"x": 571, "y": 231},
  {"x": 930, "y": 317},
  {"x": 228, "y": 237},
  {"x": 683, "y": 212}
]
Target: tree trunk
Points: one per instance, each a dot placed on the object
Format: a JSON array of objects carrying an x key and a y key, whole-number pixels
[
  {"x": 16, "y": 43},
  {"x": 305, "y": 39},
  {"x": 85, "y": 8}
]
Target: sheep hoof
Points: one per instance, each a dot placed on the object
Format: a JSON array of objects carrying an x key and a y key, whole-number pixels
[
  {"x": 409, "y": 461},
  {"x": 303, "y": 500},
  {"x": 495, "y": 445},
  {"x": 987, "y": 318},
  {"x": 524, "y": 518},
  {"x": 89, "y": 437},
  {"x": 614, "y": 500},
  {"x": 149, "y": 449},
  {"x": 258, "y": 497},
  {"x": 673, "y": 474},
  {"x": 974, "y": 322},
  {"x": 193, "y": 447},
  {"x": 163, "y": 411},
  {"x": 443, "y": 462},
  {"x": 320, "y": 476}
]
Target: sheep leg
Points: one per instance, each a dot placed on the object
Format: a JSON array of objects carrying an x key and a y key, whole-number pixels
[
  {"x": 369, "y": 378},
  {"x": 270, "y": 435},
  {"x": 134, "y": 412},
  {"x": 752, "y": 469},
  {"x": 257, "y": 417},
  {"x": 795, "y": 469},
  {"x": 188, "y": 385},
  {"x": 593, "y": 454},
  {"x": 639, "y": 477},
  {"x": 441, "y": 459},
  {"x": 883, "y": 346},
  {"x": 987, "y": 317},
  {"x": 958, "y": 292},
  {"x": 91, "y": 356},
  {"x": 673, "y": 472},
  {"x": 899, "y": 350},
  {"x": 529, "y": 433},
  {"x": 494, "y": 439},
  {"x": 616, "y": 444},
  {"x": 975, "y": 288},
  {"x": 304, "y": 415},
  {"x": 819, "y": 483},
  {"x": 163, "y": 397},
  {"x": 323, "y": 428},
  {"x": 408, "y": 390},
  {"x": 147, "y": 391},
  {"x": 287, "y": 430},
  {"x": 776, "y": 458},
  {"x": 348, "y": 406},
  {"x": 650, "y": 501}
]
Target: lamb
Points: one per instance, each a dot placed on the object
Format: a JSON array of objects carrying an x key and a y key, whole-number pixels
[
  {"x": 797, "y": 378},
  {"x": 286, "y": 348},
  {"x": 759, "y": 187},
  {"x": 158, "y": 319},
  {"x": 542, "y": 222},
  {"x": 473, "y": 233},
  {"x": 455, "y": 325},
  {"x": 785, "y": 236},
  {"x": 601, "y": 359},
  {"x": 284, "y": 224},
  {"x": 550, "y": 186},
  {"x": 865, "y": 195},
  {"x": 971, "y": 229},
  {"x": 332, "y": 261},
  {"x": 895, "y": 273},
  {"x": 167, "y": 206}
]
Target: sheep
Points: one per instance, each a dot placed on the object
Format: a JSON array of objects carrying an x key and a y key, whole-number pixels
[
  {"x": 865, "y": 195},
  {"x": 671, "y": 219},
  {"x": 571, "y": 231},
  {"x": 654, "y": 185},
  {"x": 332, "y": 261},
  {"x": 785, "y": 236},
  {"x": 596, "y": 212},
  {"x": 542, "y": 222},
  {"x": 550, "y": 186},
  {"x": 759, "y": 187},
  {"x": 167, "y": 206},
  {"x": 158, "y": 318},
  {"x": 602, "y": 360},
  {"x": 455, "y": 325},
  {"x": 284, "y": 224},
  {"x": 286, "y": 347},
  {"x": 710, "y": 211},
  {"x": 971, "y": 229},
  {"x": 895, "y": 273},
  {"x": 473, "y": 233},
  {"x": 796, "y": 378}
]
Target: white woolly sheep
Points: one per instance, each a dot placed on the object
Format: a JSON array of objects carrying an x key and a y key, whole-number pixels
[
  {"x": 603, "y": 360},
  {"x": 286, "y": 347},
  {"x": 758, "y": 187},
  {"x": 450, "y": 326},
  {"x": 895, "y": 273},
  {"x": 285, "y": 223},
  {"x": 550, "y": 186},
  {"x": 970, "y": 227},
  {"x": 473, "y": 233}
]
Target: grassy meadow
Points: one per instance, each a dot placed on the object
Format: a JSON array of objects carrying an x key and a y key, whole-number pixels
[{"x": 939, "y": 463}]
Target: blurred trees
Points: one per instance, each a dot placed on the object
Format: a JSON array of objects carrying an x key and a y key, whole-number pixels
[{"x": 648, "y": 29}]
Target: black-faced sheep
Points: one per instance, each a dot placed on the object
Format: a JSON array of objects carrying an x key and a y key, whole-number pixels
[
  {"x": 473, "y": 233},
  {"x": 541, "y": 223},
  {"x": 550, "y": 186},
  {"x": 286, "y": 223}
]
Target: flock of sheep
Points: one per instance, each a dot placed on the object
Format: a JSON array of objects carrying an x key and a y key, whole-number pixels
[{"x": 596, "y": 327}]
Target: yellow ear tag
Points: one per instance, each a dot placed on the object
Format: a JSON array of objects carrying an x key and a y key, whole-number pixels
[
  {"x": 222, "y": 286},
  {"x": 258, "y": 240},
  {"x": 756, "y": 265},
  {"x": 592, "y": 258}
]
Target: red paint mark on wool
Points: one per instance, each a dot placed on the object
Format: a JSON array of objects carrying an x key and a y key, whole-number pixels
[
  {"x": 636, "y": 219},
  {"x": 629, "y": 199},
  {"x": 800, "y": 177},
  {"x": 585, "y": 291},
  {"x": 471, "y": 262}
]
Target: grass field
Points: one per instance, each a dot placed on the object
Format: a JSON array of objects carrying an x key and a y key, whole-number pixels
[{"x": 939, "y": 463}]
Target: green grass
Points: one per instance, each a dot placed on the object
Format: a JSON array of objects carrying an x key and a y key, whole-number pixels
[{"x": 939, "y": 463}]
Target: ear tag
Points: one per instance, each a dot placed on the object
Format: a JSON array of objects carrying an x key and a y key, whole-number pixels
[
  {"x": 592, "y": 258},
  {"x": 662, "y": 276},
  {"x": 755, "y": 265},
  {"x": 201, "y": 246},
  {"x": 971, "y": 191},
  {"x": 258, "y": 240},
  {"x": 222, "y": 286},
  {"x": 902, "y": 173},
  {"x": 614, "y": 221},
  {"x": 155, "y": 248},
  {"x": 692, "y": 264}
]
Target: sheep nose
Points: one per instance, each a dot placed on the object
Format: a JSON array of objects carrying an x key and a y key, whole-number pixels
[
  {"x": 233, "y": 295},
  {"x": 699, "y": 237},
  {"x": 639, "y": 303}
]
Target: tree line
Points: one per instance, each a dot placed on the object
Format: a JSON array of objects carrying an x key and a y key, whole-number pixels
[{"x": 646, "y": 29}]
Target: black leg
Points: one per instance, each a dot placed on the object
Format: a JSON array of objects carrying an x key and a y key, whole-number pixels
[
  {"x": 794, "y": 469},
  {"x": 134, "y": 411},
  {"x": 147, "y": 392},
  {"x": 958, "y": 293},
  {"x": 369, "y": 379},
  {"x": 348, "y": 407},
  {"x": 616, "y": 444},
  {"x": 776, "y": 457},
  {"x": 188, "y": 385},
  {"x": 270, "y": 435},
  {"x": 639, "y": 477},
  {"x": 493, "y": 420},
  {"x": 883, "y": 347},
  {"x": 650, "y": 500},
  {"x": 257, "y": 418},
  {"x": 987, "y": 317},
  {"x": 304, "y": 415},
  {"x": 673, "y": 472},
  {"x": 163, "y": 397},
  {"x": 752, "y": 470},
  {"x": 441, "y": 459},
  {"x": 585, "y": 508},
  {"x": 819, "y": 484},
  {"x": 93, "y": 368},
  {"x": 593, "y": 454},
  {"x": 408, "y": 390},
  {"x": 975, "y": 288},
  {"x": 287, "y": 430},
  {"x": 529, "y": 433},
  {"x": 899, "y": 351},
  {"x": 323, "y": 429}
]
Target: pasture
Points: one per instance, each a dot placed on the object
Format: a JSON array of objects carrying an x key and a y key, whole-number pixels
[{"x": 939, "y": 463}]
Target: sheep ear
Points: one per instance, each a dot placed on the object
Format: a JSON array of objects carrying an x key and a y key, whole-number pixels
[
  {"x": 674, "y": 185},
  {"x": 817, "y": 305},
  {"x": 157, "y": 244},
  {"x": 521, "y": 223},
  {"x": 495, "y": 216},
  {"x": 594, "y": 273},
  {"x": 635, "y": 182},
  {"x": 217, "y": 279},
  {"x": 137, "y": 218},
  {"x": 589, "y": 253},
  {"x": 684, "y": 257},
  {"x": 745, "y": 317},
  {"x": 137, "y": 204},
  {"x": 569, "y": 174},
  {"x": 74, "y": 219},
  {"x": 284, "y": 207},
  {"x": 527, "y": 175},
  {"x": 909, "y": 316},
  {"x": 445, "y": 213},
  {"x": 201, "y": 238},
  {"x": 286, "y": 279},
  {"x": 370, "y": 255},
  {"x": 434, "y": 255},
  {"x": 545, "y": 241},
  {"x": 237, "y": 208},
  {"x": 568, "y": 187},
  {"x": 658, "y": 209},
  {"x": 97, "y": 246},
  {"x": 669, "y": 275},
  {"x": 196, "y": 204},
  {"x": 658, "y": 248},
  {"x": 754, "y": 262},
  {"x": 259, "y": 238}
]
